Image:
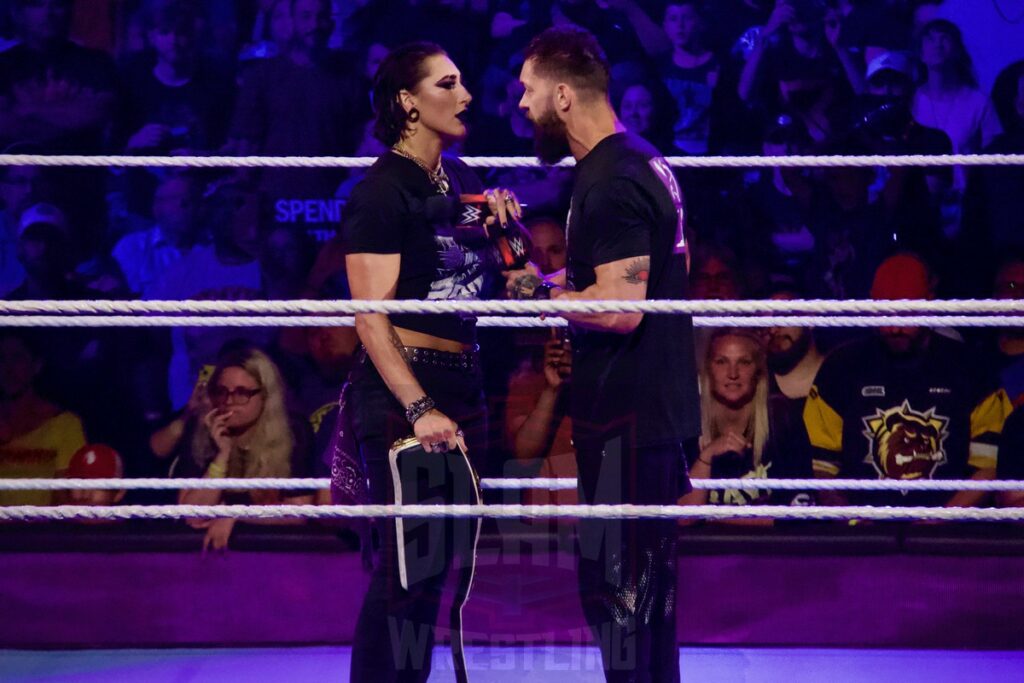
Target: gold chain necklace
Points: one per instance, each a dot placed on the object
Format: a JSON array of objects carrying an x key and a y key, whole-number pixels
[{"x": 438, "y": 178}]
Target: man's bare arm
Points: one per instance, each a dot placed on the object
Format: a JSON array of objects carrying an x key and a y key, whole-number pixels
[{"x": 623, "y": 280}]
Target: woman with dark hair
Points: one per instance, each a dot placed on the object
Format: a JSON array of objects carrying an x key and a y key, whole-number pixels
[
  {"x": 417, "y": 375},
  {"x": 950, "y": 99}
]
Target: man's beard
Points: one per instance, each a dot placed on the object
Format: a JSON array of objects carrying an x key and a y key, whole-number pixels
[
  {"x": 550, "y": 138},
  {"x": 783, "y": 362}
]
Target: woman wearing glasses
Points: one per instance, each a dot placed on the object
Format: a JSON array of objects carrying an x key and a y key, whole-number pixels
[{"x": 241, "y": 428}]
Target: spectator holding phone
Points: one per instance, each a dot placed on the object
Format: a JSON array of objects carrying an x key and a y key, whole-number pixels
[
  {"x": 247, "y": 432},
  {"x": 537, "y": 425}
]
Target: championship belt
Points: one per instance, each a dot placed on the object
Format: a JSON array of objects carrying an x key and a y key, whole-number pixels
[
  {"x": 512, "y": 241},
  {"x": 424, "y": 544}
]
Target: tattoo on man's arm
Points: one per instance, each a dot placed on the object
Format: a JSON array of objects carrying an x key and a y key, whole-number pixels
[{"x": 638, "y": 271}]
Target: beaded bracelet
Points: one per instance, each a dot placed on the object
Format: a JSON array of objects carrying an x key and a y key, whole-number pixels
[{"x": 418, "y": 409}]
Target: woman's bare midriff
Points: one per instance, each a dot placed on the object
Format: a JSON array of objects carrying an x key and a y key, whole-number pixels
[{"x": 429, "y": 341}]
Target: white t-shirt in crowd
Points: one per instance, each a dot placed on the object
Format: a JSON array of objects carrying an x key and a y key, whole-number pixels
[{"x": 966, "y": 116}]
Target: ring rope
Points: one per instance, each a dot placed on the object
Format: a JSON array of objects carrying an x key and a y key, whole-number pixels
[
  {"x": 504, "y": 307},
  {"x": 796, "y": 161},
  {"x": 549, "y": 483},
  {"x": 33, "y": 513},
  {"x": 511, "y": 322}
]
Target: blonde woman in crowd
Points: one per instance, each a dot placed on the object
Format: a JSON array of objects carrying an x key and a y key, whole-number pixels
[
  {"x": 242, "y": 428},
  {"x": 745, "y": 435}
]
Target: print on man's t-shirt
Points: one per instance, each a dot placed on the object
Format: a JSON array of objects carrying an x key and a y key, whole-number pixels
[
  {"x": 460, "y": 274},
  {"x": 668, "y": 179},
  {"x": 904, "y": 443}
]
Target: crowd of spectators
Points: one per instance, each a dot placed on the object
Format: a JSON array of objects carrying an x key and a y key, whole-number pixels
[{"x": 693, "y": 77}]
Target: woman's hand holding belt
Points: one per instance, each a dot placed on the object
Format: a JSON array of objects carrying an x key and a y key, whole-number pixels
[
  {"x": 503, "y": 204},
  {"x": 438, "y": 433}
]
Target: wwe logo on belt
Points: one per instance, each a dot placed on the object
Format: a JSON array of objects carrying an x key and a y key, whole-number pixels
[{"x": 470, "y": 215}]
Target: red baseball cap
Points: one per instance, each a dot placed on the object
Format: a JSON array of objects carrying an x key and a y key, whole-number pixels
[
  {"x": 95, "y": 461},
  {"x": 903, "y": 276}
]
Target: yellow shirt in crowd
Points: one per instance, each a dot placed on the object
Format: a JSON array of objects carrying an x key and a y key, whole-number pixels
[{"x": 41, "y": 453}]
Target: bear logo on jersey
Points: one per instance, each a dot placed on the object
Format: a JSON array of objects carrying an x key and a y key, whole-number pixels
[{"x": 904, "y": 443}]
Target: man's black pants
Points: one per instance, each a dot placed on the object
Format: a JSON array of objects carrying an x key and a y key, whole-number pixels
[{"x": 628, "y": 568}]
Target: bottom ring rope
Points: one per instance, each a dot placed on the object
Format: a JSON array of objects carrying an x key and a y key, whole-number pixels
[{"x": 33, "y": 513}]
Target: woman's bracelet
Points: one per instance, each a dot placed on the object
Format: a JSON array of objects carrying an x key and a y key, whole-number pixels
[
  {"x": 216, "y": 471},
  {"x": 418, "y": 409},
  {"x": 704, "y": 461}
]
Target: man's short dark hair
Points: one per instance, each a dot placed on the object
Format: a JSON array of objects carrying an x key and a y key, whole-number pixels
[{"x": 570, "y": 55}]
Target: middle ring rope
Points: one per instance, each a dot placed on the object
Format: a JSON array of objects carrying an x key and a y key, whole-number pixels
[
  {"x": 25, "y": 513},
  {"x": 792, "y": 161},
  {"x": 820, "y": 307}
]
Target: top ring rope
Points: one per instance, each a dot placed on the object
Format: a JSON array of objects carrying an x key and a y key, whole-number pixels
[
  {"x": 502, "y": 307},
  {"x": 513, "y": 484},
  {"x": 510, "y": 162}
]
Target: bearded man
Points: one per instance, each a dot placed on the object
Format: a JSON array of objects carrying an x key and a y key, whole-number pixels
[{"x": 633, "y": 397}]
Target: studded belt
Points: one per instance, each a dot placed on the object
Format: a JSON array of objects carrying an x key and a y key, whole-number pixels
[{"x": 466, "y": 361}]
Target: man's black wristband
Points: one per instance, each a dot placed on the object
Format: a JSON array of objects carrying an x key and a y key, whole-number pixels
[{"x": 543, "y": 290}]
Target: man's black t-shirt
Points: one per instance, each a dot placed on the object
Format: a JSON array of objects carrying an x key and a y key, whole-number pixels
[
  {"x": 626, "y": 203},
  {"x": 395, "y": 209}
]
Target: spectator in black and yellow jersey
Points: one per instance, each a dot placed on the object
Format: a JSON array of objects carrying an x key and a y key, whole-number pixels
[{"x": 905, "y": 404}]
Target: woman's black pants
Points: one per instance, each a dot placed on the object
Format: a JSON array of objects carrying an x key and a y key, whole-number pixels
[{"x": 394, "y": 635}]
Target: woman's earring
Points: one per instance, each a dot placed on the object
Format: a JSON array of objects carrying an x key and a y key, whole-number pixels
[{"x": 414, "y": 115}]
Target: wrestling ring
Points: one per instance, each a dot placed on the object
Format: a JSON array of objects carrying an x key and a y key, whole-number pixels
[{"x": 539, "y": 661}]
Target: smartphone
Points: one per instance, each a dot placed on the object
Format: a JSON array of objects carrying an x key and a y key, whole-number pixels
[{"x": 205, "y": 373}]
